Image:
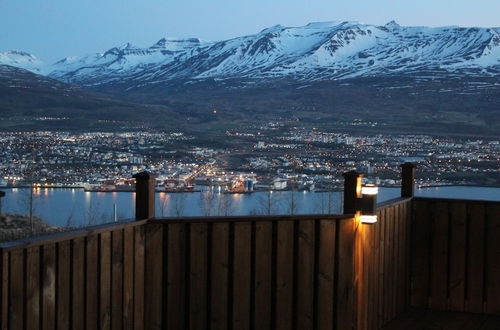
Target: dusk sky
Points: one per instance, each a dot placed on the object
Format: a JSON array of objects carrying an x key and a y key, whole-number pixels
[{"x": 53, "y": 29}]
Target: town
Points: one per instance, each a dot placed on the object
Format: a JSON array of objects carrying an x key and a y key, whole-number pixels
[{"x": 275, "y": 155}]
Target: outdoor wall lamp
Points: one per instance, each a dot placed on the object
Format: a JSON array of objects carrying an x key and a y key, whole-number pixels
[{"x": 368, "y": 203}]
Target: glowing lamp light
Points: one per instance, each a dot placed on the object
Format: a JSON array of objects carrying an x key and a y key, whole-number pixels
[
  {"x": 369, "y": 189},
  {"x": 369, "y": 204},
  {"x": 368, "y": 218}
]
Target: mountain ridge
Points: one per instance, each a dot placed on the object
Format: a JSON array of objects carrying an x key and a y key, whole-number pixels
[{"x": 314, "y": 52}]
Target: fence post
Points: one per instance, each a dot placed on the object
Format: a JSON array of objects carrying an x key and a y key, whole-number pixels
[
  {"x": 407, "y": 180},
  {"x": 352, "y": 191},
  {"x": 145, "y": 183}
]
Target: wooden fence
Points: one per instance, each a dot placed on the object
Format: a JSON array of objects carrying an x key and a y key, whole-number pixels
[
  {"x": 281, "y": 272},
  {"x": 382, "y": 265},
  {"x": 456, "y": 255},
  {"x": 89, "y": 279}
]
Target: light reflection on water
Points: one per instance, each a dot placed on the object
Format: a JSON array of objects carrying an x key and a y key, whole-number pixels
[{"x": 57, "y": 206}]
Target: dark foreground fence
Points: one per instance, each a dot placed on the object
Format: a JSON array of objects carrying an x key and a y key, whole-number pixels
[{"x": 268, "y": 272}]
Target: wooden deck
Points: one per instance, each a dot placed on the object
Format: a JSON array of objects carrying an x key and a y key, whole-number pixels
[{"x": 428, "y": 319}]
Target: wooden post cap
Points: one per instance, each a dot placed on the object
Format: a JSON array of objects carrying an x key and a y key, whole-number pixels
[
  {"x": 144, "y": 175},
  {"x": 2, "y": 194},
  {"x": 408, "y": 165}
]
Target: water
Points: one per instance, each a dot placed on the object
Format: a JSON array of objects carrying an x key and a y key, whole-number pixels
[{"x": 76, "y": 207}]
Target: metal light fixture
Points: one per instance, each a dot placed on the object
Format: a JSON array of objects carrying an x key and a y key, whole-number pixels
[{"x": 368, "y": 201}]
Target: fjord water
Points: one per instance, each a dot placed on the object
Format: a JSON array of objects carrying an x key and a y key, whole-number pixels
[{"x": 76, "y": 207}]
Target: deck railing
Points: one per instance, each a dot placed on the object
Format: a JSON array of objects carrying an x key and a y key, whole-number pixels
[{"x": 265, "y": 272}]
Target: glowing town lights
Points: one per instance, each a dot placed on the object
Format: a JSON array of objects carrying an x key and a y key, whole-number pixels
[{"x": 368, "y": 218}]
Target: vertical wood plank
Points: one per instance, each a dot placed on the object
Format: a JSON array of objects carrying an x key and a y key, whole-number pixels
[
  {"x": 305, "y": 275},
  {"x": 176, "y": 297},
  {"x": 241, "y": 275},
  {"x": 198, "y": 276},
  {"x": 92, "y": 281},
  {"x": 388, "y": 261},
  {"x": 439, "y": 256},
  {"x": 128, "y": 278},
  {"x": 458, "y": 241},
  {"x": 397, "y": 250},
  {"x": 117, "y": 280},
  {"x": 16, "y": 294},
  {"x": 219, "y": 278},
  {"x": 78, "y": 285},
  {"x": 326, "y": 275},
  {"x": 475, "y": 258},
  {"x": 345, "y": 290},
  {"x": 381, "y": 270},
  {"x": 139, "y": 245},
  {"x": 4, "y": 287},
  {"x": 284, "y": 275},
  {"x": 153, "y": 278},
  {"x": 420, "y": 255},
  {"x": 49, "y": 286},
  {"x": 263, "y": 275},
  {"x": 63, "y": 284},
  {"x": 105, "y": 281},
  {"x": 33, "y": 288},
  {"x": 493, "y": 259}
]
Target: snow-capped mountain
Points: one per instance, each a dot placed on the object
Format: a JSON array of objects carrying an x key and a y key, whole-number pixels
[
  {"x": 21, "y": 60},
  {"x": 317, "y": 51}
]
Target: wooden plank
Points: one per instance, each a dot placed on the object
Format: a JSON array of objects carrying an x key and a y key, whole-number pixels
[
  {"x": 492, "y": 259},
  {"x": 16, "y": 294},
  {"x": 139, "y": 245},
  {"x": 263, "y": 275},
  {"x": 63, "y": 288},
  {"x": 4, "y": 288},
  {"x": 305, "y": 274},
  {"x": 345, "y": 293},
  {"x": 33, "y": 288},
  {"x": 128, "y": 278},
  {"x": 475, "y": 257},
  {"x": 198, "y": 276},
  {"x": 398, "y": 251},
  {"x": 153, "y": 278},
  {"x": 49, "y": 287},
  {"x": 439, "y": 257},
  {"x": 361, "y": 259},
  {"x": 284, "y": 275},
  {"x": 372, "y": 275},
  {"x": 241, "y": 275},
  {"x": 176, "y": 277},
  {"x": 117, "y": 280},
  {"x": 420, "y": 255},
  {"x": 381, "y": 269},
  {"x": 92, "y": 283},
  {"x": 105, "y": 281},
  {"x": 326, "y": 275},
  {"x": 78, "y": 285},
  {"x": 388, "y": 285},
  {"x": 458, "y": 243},
  {"x": 219, "y": 278}
]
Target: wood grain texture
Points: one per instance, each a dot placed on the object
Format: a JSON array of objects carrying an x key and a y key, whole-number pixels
[
  {"x": 16, "y": 294},
  {"x": 33, "y": 288},
  {"x": 117, "y": 279},
  {"x": 458, "y": 244},
  {"x": 263, "y": 275},
  {"x": 326, "y": 275},
  {"x": 139, "y": 270},
  {"x": 153, "y": 277},
  {"x": 128, "y": 278},
  {"x": 305, "y": 274},
  {"x": 284, "y": 275},
  {"x": 219, "y": 281},
  {"x": 176, "y": 277},
  {"x": 241, "y": 276},
  {"x": 493, "y": 259},
  {"x": 439, "y": 256},
  {"x": 105, "y": 281},
  {"x": 92, "y": 282},
  {"x": 475, "y": 258},
  {"x": 198, "y": 276},
  {"x": 78, "y": 284},
  {"x": 49, "y": 286},
  {"x": 345, "y": 292},
  {"x": 63, "y": 287}
]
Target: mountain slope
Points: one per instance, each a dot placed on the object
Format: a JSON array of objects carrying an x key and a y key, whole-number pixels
[
  {"x": 32, "y": 101},
  {"x": 317, "y": 51}
]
